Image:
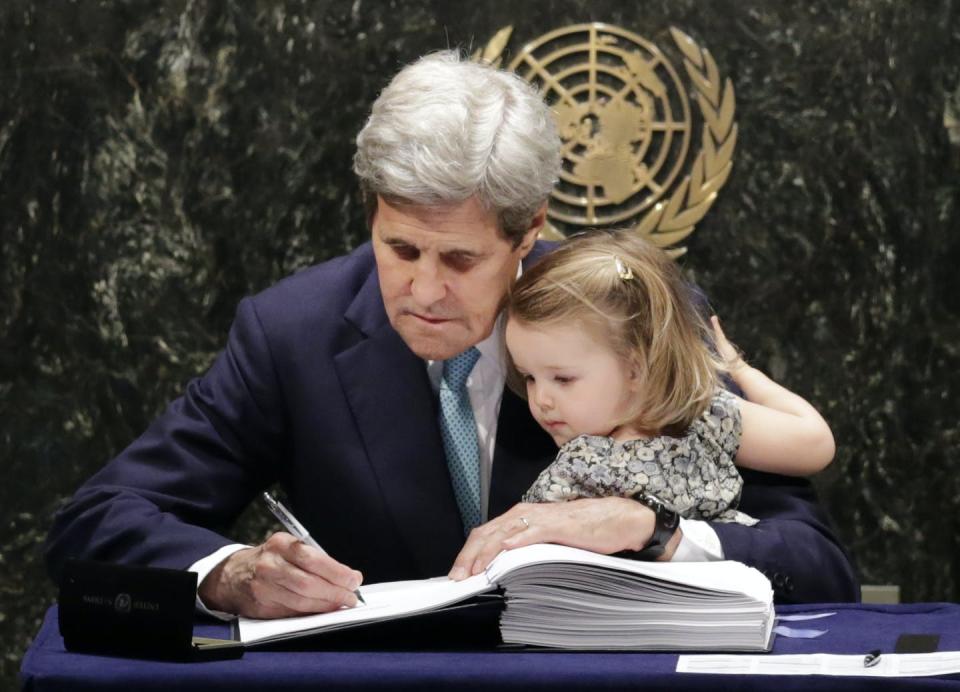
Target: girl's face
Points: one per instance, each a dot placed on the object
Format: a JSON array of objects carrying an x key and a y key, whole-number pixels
[{"x": 576, "y": 385}]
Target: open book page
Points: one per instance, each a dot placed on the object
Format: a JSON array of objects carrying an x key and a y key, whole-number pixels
[
  {"x": 384, "y": 601},
  {"x": 727, "y": 577}
]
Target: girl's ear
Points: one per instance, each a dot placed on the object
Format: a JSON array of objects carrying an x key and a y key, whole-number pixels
[{"x": 635, "y": 375}]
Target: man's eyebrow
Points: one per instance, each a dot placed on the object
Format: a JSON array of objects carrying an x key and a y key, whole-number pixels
[
  {"x": 389, "y": 240},
  {"x": 462, "y": 252}
]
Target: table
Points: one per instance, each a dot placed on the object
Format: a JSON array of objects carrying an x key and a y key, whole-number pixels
[{"x": 855, "y": 629}]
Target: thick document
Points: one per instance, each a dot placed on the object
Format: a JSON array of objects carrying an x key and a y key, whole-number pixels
[{"x": 561, "y": 597}]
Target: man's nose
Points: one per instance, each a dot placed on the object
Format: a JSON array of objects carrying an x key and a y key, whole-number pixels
[{"x": 426, "y": 285}]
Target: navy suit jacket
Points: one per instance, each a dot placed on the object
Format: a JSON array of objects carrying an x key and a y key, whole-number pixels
[{"x": 317, "y": 391}]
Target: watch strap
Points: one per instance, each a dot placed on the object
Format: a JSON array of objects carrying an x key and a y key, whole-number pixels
[{"x": 666, "y": 522}]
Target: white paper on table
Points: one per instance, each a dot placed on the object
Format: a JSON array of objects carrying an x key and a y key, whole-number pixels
[{"x": 888, "y": 666}]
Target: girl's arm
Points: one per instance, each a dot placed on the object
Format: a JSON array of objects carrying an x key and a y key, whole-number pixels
[{"x": 782, "y": 433}]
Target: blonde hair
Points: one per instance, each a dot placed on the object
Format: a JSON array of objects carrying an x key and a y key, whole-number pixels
[{"x": 635, "y": 296}]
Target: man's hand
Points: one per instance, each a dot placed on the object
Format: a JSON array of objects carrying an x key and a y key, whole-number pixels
[
  {"x": 604, "y": 525},
  {"x": 280, "y": 578}
]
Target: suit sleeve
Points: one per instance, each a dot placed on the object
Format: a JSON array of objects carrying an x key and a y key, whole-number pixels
[
  {"x": 165, "y": 500},
  {"x": 793, "y": 544}
]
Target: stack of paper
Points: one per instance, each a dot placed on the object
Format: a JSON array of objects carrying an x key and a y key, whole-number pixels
[{"x": 581, "y": 600}]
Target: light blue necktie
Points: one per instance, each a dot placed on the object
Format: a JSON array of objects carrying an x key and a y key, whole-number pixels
[{"x": 459, "y": 431}]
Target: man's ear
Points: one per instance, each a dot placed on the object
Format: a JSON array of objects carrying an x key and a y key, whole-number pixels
[{"x": 536, "y": 225}]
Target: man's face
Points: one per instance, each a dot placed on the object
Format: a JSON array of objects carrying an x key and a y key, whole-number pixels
[
  {"x": 443, "y": 271},
  {"x": 575, "y": 384}
]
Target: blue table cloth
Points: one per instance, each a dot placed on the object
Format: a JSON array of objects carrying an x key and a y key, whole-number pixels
[{"x": 855, "y": 629}]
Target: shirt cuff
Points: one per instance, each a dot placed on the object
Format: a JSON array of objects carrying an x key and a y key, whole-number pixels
[
  {"x": 204, "y": 566},
  {"x": 698, "y": 543}
]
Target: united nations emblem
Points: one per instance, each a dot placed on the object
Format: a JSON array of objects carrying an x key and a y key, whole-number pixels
[
  {"x": 122, "y": 603},
  {"x": 629, "y": 137}
]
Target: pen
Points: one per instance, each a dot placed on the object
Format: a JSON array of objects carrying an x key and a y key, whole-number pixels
[{"x": 297, "y": 529}]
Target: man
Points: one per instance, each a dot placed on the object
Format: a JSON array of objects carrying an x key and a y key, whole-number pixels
[{"x": 337, "y": 382}]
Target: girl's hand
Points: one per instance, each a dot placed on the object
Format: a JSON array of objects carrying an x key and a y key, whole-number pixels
[
  {"x": 780, "y": 431},
  {"x": 731, "y": 356}
]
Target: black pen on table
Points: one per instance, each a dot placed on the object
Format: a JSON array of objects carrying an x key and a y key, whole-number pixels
[{"x": 297, "y": 529}]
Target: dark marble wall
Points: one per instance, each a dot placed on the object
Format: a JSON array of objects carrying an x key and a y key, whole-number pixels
[{"x": 158, "y": 161}]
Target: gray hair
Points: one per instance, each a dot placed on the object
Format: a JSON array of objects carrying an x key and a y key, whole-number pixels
[{"x": 446, "y": 129}]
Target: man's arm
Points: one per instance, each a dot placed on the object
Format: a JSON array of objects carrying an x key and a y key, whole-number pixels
[
  {"x": 164, "y": 500},
  {"x": 793, "y": 544}
]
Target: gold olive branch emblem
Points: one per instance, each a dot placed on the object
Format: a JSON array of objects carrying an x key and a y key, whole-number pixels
[
  {"x": 492, "y": 53},
  {"x": 672, "y": 220}
]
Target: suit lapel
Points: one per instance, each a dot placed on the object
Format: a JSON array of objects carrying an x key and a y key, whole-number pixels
[{"x": 389, "y": 393}]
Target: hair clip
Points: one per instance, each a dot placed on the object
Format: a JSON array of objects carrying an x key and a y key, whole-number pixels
[{"x": 623, "y": 271}]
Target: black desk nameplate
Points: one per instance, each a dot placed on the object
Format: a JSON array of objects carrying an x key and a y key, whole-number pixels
[{"x": 143, "y": 612}]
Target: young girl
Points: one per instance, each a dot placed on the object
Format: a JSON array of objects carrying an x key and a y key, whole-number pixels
[{"x": 621, "y": 370}]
